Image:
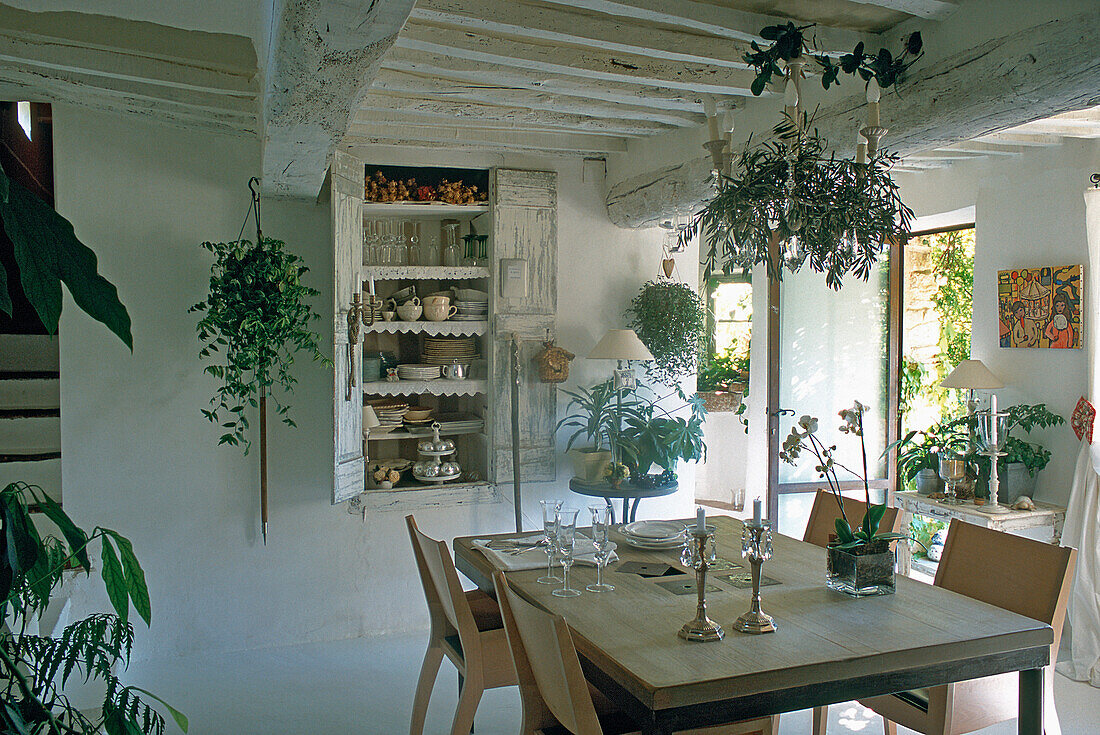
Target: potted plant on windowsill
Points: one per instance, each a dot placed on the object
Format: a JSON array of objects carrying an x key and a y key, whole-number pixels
[
  {"x": 861, "y": 561},
  {"x": 723, "y": 381}
]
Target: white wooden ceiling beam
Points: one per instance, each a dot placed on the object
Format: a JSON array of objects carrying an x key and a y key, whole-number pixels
[
  {"x": 460, "y": 71},
  {"x": 556, "y": 25},
  {"x": 713, "y": 19},
  {"x": 942, "y": 154},
  {"x": 519, "y": 140},
  {"x": 987, "y": 149},
  {"x": 1061, "y": 126},
  {"x": 190, "y": 78},
  {"x": 378, "y": 108},
  {"x": 364, "y": 147},
  {"x": 1027, "y": 140},
  {"x": 324, "y": 54},
  {"x": 931, "y": 9},
  {"x": 573, "y": 99},
  {"x": 986, "y": 87},
  {"x": 587, "y": 63}
]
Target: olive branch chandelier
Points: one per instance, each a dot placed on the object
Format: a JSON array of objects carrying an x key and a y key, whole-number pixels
[{"x": 785, "y": 202}]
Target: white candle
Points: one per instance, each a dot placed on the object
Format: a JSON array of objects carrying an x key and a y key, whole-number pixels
[
  {"x": 861, "y": 148},
  {"x": 728, "y": 126},
  {"x": 701, "y": 520},
  {"x": 711, "y": 110},
  {"x": 874, "y": 93},
  {"x": 756, "y": 512},
  {"x": 790, "y": 94},
  {"x": 993, "y": 421},
  {"x": 371, "y": 285}
]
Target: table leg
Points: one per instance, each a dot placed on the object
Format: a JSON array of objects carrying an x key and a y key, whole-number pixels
[
  {"x": 905, "y": 554},
  {"x": 610, "y": 510},
  {"x": 626, "y": 510},
  {"x": 634, "y": 509},
  {"x": 1031, "y": 702}
]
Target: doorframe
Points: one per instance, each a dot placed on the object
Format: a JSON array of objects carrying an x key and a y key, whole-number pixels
[{"x": 895, "y": 309}]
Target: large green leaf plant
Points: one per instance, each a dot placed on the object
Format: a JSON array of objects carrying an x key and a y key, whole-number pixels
[{"x": 48, "y": 253}]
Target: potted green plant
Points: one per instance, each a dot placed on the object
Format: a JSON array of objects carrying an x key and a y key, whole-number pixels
[
  {"x": 919, "y": 451},
  {"x": 861, "y": 561},
  {"x": 591, "y": 414},
  {"x": 723, "y": 381},
  {"x": 671, "y": 321},
  {"x": 1023, "y": 461},
  {"x": 655, "y": 436}
]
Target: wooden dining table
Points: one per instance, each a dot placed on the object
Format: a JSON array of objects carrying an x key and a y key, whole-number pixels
[{"x": 828, "y": 648}]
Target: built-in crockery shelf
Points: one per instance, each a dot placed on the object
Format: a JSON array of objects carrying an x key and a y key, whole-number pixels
[
  {"x": 425, "y": 272},
  {"x": 439, "y": 387},
  {"x": 374, "y": 210},
  {"x": 455, "y": 328}
]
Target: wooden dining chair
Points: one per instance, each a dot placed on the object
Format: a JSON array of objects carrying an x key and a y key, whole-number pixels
[
  {"x": 556, "y": 698},
  {"x": 1019, "y": 574},
  {"x": 824, "y": 513},
  {"x": 466, "y": 627}
]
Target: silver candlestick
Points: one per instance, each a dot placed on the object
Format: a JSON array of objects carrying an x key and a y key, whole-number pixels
[
  {"x": 698, "y": 554},
  {"x": 756, "y": 546}
]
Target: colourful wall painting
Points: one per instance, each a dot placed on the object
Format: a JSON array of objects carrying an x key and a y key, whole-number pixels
[{"x": 1040, "y": 307}]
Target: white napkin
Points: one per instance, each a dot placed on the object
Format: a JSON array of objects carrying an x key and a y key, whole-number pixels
[{"x": 584, "y": 554}]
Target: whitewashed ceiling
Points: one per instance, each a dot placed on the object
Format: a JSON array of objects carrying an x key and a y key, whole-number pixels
[{"x": 585, "y": 76}]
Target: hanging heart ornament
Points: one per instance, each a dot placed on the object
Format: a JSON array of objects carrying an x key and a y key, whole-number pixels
[{"x": 668, "y": 265}]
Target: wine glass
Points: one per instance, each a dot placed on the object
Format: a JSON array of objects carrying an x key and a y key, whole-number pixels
[
  {"x": 564, "y": 541},
  {"x": 414, "y": 242},
  {"x": 550, "y": 510},
  {"x": 601, "y": 517}
]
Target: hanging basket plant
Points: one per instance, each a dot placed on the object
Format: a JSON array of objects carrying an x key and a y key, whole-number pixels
[
  {"x": 834, "y": 214},
  {"x": 670, "y": 320},
  {"x": 257, "y": 318}
]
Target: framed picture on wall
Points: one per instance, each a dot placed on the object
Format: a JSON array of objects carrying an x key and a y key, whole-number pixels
[{"x": 1040, "y": 307}]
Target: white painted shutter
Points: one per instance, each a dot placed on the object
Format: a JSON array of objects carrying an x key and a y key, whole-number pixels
[
  {"x": 349, "y": 466},
  {"x": 525, "y": 225}
]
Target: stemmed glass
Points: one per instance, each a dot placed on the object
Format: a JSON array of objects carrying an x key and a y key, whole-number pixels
[
  {"x": 550, "y": 510},
  {"x": 564, "y": 540},
  {"x": 601, "y": 516}
]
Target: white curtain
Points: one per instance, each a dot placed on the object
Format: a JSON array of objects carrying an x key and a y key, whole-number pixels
[{"x": 1082, "y": 528}]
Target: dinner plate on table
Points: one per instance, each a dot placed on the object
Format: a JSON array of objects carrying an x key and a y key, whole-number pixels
[{"x": 654, "y": 530}]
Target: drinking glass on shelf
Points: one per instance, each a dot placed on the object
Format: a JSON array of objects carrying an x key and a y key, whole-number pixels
[
  {"x": 402, "y": 252},
  {"x": 389, "y": 243},
  {"x": 564, "y": 540},
  {"x": 550, "y": 510},
  {"x": 414, "y": 243},
  {"x": 601, "y": 526}
]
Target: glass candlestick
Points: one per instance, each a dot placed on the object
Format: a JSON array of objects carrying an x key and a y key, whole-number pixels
[
  {"x": 992, "y": 440},
  {"x": 756, "y": 546},
  {"x": 699, "y": 554}
]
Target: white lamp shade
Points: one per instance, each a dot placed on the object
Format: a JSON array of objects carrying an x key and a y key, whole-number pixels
[
  {"x": 370, "y": 418},
  {"x": 972, "y": 375},
  {"x": 620, "y": 344}
]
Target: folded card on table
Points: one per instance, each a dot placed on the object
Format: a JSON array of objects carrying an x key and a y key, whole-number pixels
[{"x": 517, "y": 558}]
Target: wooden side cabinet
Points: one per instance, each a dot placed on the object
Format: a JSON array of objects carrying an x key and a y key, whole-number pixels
[{"x": 910, "y": 504}]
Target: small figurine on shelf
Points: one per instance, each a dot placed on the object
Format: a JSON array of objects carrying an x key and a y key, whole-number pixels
[{"x": 391, "y": 375}]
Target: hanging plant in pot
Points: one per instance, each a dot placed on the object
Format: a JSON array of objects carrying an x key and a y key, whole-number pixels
[
  {"x": 256, "y": 318},
  {"x": 787, "y": 202},
  {"x": 671, "y": 321}
]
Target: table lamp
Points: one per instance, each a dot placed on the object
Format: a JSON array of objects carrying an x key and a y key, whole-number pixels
[
  {"x": 972, "y": 375},
  {"x": 621, "y": 345}
]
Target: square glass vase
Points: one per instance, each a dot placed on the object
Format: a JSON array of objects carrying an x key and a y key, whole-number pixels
[{"x": 860, "y": 574}]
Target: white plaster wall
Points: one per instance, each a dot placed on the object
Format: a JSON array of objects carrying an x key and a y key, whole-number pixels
[
  {"x": 1028, "y": 212},
  {"x": 139, "y": 458}
]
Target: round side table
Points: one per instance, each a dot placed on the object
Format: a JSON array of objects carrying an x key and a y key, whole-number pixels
[{"x": 626, "y": 491}]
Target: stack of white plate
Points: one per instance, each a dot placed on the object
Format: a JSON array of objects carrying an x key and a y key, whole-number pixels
[
  {"x": 654, "y": 534},
  {"x": 448, "y": 350},
  {"x": 458, "y": 422},
  {"x": 418, "y": 372},
  {"x": 470, "y": 311},
  {"x": 390, "y": 413}
]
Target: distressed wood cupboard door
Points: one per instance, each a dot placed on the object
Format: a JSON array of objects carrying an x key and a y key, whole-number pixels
[
  {"x": 346, "y": 190},
  {"x": 525, "y": 227}
]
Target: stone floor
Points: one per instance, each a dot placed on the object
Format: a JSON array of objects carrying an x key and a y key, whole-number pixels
[{"x": 366, "y": 685}]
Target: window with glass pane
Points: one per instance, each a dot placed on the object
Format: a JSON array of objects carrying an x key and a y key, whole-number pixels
[
  {"x": 834, "y": 351},
  {"x": 794, "y": 509},
  {"x": 731, "y": 315}
]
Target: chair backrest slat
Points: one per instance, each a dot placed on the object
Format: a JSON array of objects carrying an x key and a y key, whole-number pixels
[
  {"x": 546, "y": 665},
  {"x": 824, "y": 513},
  {"x": 441, "y": 585},
  {"x": 1015, "y": 573}
]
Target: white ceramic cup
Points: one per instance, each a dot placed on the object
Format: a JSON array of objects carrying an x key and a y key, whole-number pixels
[{"x": 437, "y": 312}]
